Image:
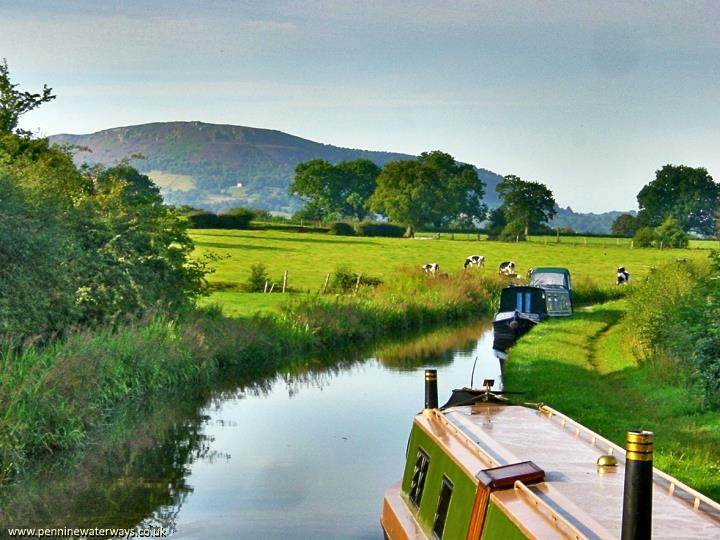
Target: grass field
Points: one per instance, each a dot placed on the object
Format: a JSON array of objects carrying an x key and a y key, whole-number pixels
[
  {"x": 308, "y": 258},
  {"x": 582, "y": 367}
]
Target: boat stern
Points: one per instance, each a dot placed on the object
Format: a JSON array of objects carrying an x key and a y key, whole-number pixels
[{"x": 397, "y": 521}]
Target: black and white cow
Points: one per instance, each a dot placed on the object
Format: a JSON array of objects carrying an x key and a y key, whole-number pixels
[
  {"x": 623, "y": 276},
  {"x": 431, "y": 268},
  {"x": 507, "y": 268},
  {"x": 476, "y": 260}
]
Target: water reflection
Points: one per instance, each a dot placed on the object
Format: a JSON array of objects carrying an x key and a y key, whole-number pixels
[{"x": 304, "y": 453}]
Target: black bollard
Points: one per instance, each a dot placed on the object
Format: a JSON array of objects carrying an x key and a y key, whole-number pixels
[
  {"x": 431, "y": 391},
  {"x": 637, "y": 498}
]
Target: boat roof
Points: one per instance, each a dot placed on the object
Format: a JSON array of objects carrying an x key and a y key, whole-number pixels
[
  {"x": 577, "y": 498},
  {"x": 551, "y": 269}
]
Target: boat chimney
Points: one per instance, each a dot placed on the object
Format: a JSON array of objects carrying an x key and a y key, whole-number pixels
[
  {"x": 637, "y": 498},
  {"x": 431, "y": 391}
]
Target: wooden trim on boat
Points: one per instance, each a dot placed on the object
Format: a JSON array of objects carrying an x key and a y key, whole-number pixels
[{"x": 396, "y": 519}]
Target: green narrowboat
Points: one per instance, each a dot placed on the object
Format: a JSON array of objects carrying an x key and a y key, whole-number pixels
[{"x": 481, "y": 468}]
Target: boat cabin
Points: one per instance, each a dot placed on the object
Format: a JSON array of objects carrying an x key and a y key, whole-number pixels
[
  {"x": 558, "y": 286},
  {"x": 490, "y": 470},
  {"x": 524, "y": 299}
]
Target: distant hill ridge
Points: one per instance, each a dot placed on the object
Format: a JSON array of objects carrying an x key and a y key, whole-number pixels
[{"x": 218, "y": 166}]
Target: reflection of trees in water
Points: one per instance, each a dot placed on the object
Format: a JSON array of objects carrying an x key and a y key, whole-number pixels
[
  {"x": 437, "y": 348},
  {"x": 137, "y": 473}
]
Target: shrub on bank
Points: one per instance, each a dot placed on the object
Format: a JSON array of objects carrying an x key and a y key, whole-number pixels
[{"x": 674, "y": 326}]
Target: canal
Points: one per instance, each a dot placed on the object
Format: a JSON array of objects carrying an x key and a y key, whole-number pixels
[{"x": 305, "y": 454}]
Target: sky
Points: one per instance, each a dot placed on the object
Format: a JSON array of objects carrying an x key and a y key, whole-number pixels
[{"x": 589, "y": 98}]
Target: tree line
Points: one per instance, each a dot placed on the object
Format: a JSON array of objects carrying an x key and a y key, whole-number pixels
[
  {"x": 433, "y": 191},
  {"x": 680, "y": 201}
]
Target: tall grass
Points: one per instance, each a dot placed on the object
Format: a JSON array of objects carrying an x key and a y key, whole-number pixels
[
  {"x": 55, "y": 397},
  {"x": 675, "y": 330}
]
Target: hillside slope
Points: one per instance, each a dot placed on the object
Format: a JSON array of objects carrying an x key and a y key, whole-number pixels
[{"x": 219, "y": 166}]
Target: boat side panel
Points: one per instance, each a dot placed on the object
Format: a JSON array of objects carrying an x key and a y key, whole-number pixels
[
  {"x": 499, "y": 526},
  {"x": 440, "y": 464}
]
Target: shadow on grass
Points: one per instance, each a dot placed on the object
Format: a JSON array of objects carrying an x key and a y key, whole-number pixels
[
  {"x": 302, "y": 239},
  {"x": 223, "y": 245}
]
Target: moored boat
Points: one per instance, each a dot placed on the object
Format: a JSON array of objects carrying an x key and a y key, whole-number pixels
[
  {"x": 480, "y": 467},
  {"x": 549, "y": 294}
]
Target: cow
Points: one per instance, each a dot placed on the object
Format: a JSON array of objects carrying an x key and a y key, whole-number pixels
[
  {"x": 623, "y": 276},
  {"x": 507, "y": 268},
  {"x": 431, "y": 268},
  {"x": 477, "y": 260}
]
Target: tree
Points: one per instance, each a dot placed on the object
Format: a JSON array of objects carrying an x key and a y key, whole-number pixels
[
  {"x": 335, "y": 190},
  {"x": 625, "y": 225},
  {"x": 670, "y": 234},
  {"x": 432, "y": 190},
  {"x": 685, "y": 193},
  {"x": 496, "y": 223},
  {"x": 14, "y": 103},
  {"x": 528, "y": 203},
  {"x": 358, "y": 179}
]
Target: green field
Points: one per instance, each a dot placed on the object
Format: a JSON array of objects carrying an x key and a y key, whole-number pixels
[{"x": 308, "y": 258}]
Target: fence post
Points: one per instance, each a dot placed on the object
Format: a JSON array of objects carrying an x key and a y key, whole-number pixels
[
  {"x": 357, "y": 283},
  {"x": 266, "y": 284},
  {"x": 284, "y": 280},
  {"x": 271, "y": 288},
  {"x": 324, "y": 287}
]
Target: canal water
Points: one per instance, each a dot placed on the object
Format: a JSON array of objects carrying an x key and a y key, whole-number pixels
[{"x": 304, "y": 454}]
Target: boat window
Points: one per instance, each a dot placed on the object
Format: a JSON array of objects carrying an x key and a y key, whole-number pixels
[
  {"x": 418, "y": 480},
  {"x": 518, "y": 302},
  {"x": 528, "y": 304},
  {"x": 548, "y": 278},
  {"x": 442, "y": 508}
]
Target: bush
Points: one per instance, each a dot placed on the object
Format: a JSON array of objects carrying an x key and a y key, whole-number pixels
[
  {"x": 236, "y": 218},
  {"x": 202, "y": 219},
  {"x": 644, "y": 237},
  {"x": 670, "y": 234},
  {"x": 512, "y": 232},
  {"x": 344, "y": 280},
  {"x": 258, "y": 278},
  {"x": 341, "y": 228},
  {"x": 673, "y": 326},
  {"x": 85, "y": 246},
  {"x": 388, "y": 230}
]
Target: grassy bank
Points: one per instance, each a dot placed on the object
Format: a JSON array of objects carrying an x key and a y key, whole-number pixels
[
  {"x": 308, "y": 258},
  {"x": 54, "y": 398},
  {"x": 583, "y": 366}
]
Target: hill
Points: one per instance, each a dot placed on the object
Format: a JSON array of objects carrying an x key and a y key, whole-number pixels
[
  {"x": 586, "y": 223},
  {"x": 220, "y": 166}
]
